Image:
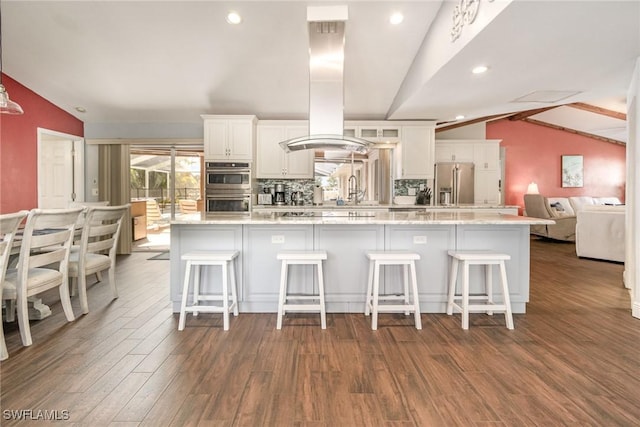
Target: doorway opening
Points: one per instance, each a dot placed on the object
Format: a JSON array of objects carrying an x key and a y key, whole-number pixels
[{"x": 165, "y": 183}]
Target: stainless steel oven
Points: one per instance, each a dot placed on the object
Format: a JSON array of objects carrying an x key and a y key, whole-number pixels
[
  {"x": 228, "y": 176},
  {"x": 228, "y": 188},
  {"x": 229, "y": 203}
]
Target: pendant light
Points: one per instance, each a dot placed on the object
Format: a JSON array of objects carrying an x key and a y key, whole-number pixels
[{"x": 7, "y": 106}]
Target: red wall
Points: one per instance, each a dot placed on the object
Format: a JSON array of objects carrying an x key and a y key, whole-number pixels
[
  {"x": 18, "y": 144},
  {"x": 533, "y": 153}
]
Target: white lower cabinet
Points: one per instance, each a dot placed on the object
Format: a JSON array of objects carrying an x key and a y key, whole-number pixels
[
  {"x": 346, "y": 269},
  {"x": 262, "y": 244},
  {"x": 432, "y": 243},
  {"x": 202, "y": 237},
  {"x": 273, "y": 162}
]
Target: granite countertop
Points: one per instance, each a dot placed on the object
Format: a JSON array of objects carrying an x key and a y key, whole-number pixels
[
  {"x": 372, "y": 207},
  {"x": 361, "y": 217}
]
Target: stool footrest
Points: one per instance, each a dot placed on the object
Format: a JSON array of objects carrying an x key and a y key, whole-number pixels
[
  {"x": 301, "y": 307},
  {"x": 473, "y": 298},
  {"x": 394, "y": 307},
  {"x": 391, "y": 297},
  {"x": 301, "y": 297},
  {"x": 483, "y": 307},
  {"x": 212, "y": 298},
  {"x": 208, "y": 308}
]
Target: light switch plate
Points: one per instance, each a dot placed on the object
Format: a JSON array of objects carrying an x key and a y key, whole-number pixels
[
  {"x": 277, "y": 238},
  {"x": 419, "y": 240}
]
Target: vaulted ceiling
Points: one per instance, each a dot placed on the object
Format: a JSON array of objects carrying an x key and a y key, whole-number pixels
[{"x": 170, "y": 61}]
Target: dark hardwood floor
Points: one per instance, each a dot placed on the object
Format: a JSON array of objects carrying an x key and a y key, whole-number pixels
[{"x": 573, "y": 359}]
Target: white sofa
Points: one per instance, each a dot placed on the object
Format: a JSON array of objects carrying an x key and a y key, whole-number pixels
[
  {"x": 600, "y": 232},
  {"x": 580, "y": 202}
]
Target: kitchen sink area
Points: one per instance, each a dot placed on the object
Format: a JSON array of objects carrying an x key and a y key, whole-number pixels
[{"x": 327, "y": 214}]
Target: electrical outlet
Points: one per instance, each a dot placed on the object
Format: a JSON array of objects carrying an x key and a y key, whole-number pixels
[
  {"x": 411, "y": 191},
  {"x": 419, "y": 240},
  {"x": 277, "y": 238}
]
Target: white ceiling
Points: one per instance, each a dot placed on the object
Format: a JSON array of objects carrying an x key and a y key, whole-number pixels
[{"x": 170, "y": 61}]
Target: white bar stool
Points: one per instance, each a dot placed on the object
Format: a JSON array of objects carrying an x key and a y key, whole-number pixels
[
  {"x": 488, "y": 259},
  {"x": 196, "y": 259},
  {"x": 405, "y": 259},
  {"x": 301, "y": 258}
]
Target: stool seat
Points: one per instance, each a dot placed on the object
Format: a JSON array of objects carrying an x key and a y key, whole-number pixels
[
  {"x": 482, "y": 256},
  {"x": 405, "y": 259},
  {"x": 196, "y": 259},
  {"x": 395, "y": 256},
  {"x": 486, "y": 304},
  {"x": 302, "y": 255},
  {"x": 312, "y": 258},
  {"x": 214, "y": 256}
]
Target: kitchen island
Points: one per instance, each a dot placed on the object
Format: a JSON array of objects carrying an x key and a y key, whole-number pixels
[{"x": 346, "y": 235}]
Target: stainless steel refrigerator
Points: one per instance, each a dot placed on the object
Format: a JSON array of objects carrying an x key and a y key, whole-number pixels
[{"x": 454, "y": 184}]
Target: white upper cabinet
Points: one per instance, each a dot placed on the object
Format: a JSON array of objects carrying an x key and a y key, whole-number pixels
[
  {"x": 415, "y": 153},
  {"x": 374, "y": 131},
  {"x": 229, "y": 137},
  {"x": 272, "y": 161},
  {"x": 450, "y": 151},
  {"x": 486, "y": 155}
]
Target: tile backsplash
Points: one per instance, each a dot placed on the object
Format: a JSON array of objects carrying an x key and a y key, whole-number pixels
[
  {"x": 290, "y": 185},
  {"x": 400, "y": 187}
]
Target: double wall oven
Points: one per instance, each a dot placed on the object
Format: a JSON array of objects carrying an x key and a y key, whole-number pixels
[{"x": 228, "y": 187}]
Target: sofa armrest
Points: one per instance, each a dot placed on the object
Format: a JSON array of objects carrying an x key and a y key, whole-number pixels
[{"x": 563, "y": 229}]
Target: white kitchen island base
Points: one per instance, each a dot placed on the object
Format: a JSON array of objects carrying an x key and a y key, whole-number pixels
[{"x": 259, "y": 238}]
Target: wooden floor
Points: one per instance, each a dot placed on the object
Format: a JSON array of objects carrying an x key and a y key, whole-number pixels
[{"x": 573, "y": 359}]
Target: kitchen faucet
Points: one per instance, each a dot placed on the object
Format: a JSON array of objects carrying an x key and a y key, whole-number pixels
[{"x": 353, "y": 189}]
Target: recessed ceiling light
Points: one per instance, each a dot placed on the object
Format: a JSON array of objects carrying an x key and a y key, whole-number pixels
[
  {"x": 81, "y": 109},
  {"x": 234, "y": 17},
  {"x": 396, "y": 18},
  {"x": 459, "y": 117},
  {"x": 480, "y": 69}
]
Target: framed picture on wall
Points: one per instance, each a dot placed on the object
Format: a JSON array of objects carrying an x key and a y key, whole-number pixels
[{"x": 572, "y": 171}]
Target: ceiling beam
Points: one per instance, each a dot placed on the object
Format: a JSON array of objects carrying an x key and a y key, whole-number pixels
[
  {"x": 598, "y": 110},
  {"x": 577, "y": 132},
  {"x": 525, "y": 114},
  {"x": 468, "y": 122}
]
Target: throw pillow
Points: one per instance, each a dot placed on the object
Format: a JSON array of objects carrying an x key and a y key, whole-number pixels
[
  {"x": 557, "y": 206},
  {"x": 558, "y": 211}
]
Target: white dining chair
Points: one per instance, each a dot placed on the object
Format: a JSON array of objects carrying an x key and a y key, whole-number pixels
[
  {"x": 43, "y": 262},
  {"x": 9, "y": 224},
  {"x": 97, "y": 250}
]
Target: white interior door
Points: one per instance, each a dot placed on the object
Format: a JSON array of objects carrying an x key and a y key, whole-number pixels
[{"x": 60, "y": 169}]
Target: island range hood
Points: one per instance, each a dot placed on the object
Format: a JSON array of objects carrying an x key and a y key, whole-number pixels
[{"x": 326, "y": 26}]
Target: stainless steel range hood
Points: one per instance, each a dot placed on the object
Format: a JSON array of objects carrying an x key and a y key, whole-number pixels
[{"x": 326, "y": 87}]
